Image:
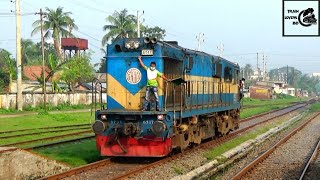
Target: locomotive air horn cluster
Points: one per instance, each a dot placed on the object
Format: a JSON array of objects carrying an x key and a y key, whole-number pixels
[{"x": 147, "y": 40}]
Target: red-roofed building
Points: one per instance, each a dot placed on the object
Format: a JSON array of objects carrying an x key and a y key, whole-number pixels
[{"x": 32, "y": 72}]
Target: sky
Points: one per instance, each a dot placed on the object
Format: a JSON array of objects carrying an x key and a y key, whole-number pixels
[{"x": 245, "y": 27}]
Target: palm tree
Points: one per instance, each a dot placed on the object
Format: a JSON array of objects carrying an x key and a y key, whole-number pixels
[
  {"x": 121, "y": 25},
  {"x": 56, "y": 24}
]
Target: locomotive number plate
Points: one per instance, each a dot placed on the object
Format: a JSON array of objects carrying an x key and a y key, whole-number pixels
[{"x": 147, "y": 52}]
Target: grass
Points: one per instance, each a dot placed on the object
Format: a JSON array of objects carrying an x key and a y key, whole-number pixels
[
  {"x": 43, "y": 120},
  {"x": 74, "y": 154},
  {"x": 266, "y": 105},
  {"x": 315, "y": 107},
  {"x": 177, "y": 170},
  {"x": 258, "y": 110},
  {"x": 37, "y": 136},
  {"x": 280, "y": 100},
  {"x": 212, "y": 154},
  {"x": 65, "y": 106},
  {"x": 38, "y": 143}
]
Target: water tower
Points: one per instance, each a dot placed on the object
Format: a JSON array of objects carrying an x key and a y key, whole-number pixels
[{"x": 73, "y": 46}]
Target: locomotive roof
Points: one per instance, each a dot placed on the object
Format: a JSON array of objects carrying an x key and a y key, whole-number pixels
[{"x": 174, "y": 44}]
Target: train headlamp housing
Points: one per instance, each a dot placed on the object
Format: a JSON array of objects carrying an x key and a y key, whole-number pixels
[
  {"x": 132, "y": 44},
  {"x": 99, "y": 127}
]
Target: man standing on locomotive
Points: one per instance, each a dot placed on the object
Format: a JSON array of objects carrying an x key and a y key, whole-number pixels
[{"x": 152, "y": 83}]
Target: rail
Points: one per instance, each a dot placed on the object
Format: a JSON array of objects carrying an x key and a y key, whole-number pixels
[
  {"x": 313, "y": 156},
  {"x": 262, "y": 157}
]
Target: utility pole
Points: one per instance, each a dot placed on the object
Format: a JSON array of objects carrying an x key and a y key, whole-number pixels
[
  {"x": 43, "y": 64},
  {"x": 220, "y": 48},
  {"x": 263, "y": 71},
  {"x": 138, "y": 23},
  {"x": 287, "y": 74},
  {"x": 265, "y": 67},
  {"x": 258, "y": 63},
  {"x": 292, "y": 77},
  {"x": 18, "y": 56},
  {"x": 200, "y": 40}
]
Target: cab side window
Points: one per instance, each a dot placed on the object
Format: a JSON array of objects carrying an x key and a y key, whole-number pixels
[{"x": 228, "y": 74}]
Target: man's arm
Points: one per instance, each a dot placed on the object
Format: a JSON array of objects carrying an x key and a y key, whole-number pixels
[
  {"x": 141, "y": 63},
  {"x": 164, "y": 77}
]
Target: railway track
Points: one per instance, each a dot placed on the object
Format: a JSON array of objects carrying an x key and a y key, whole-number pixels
[
  {"x": 261, "y": 105},
  {"x": 116, "y": 170},
  {"x": 47, "y": 138},
  {"x": 284, "y": 160},
  {"x": 44, "y": 128},
  {"x": 311, "y": 160},
  {"x": 43, "y": 132}
]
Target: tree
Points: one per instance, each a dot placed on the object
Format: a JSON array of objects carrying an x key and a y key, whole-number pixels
[
  {"x": 155, "y": 32},
  {"x": 102, "y": 68},
  {"x": 7, "y": 69},
  {"x": 121, "y": 24},
  {"x": 247, "y": 71},
  {"x": 31, "y": 54},
  {"x": 77, "y": 69},
  {"x": 56, "y": 24}
]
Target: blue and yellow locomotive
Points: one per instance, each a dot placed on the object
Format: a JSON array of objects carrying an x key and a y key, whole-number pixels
[{"x": 202, "y": 102}]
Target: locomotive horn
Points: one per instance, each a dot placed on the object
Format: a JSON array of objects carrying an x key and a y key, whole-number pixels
[
  {"x": 146, "y": 40},
  {"x": 153, "y": 40}
]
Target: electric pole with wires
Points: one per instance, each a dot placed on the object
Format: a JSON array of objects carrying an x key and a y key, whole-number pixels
[
  {"x": 18, "y": 56},
  {"x": 200, "y": 40}
]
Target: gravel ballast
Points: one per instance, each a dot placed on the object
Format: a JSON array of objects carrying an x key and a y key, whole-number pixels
[
  {"x": 20, "y": 164},
  {"x": 190, "y": 162}
]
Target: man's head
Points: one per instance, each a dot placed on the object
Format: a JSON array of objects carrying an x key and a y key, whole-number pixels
[{"x": 152, "y": 66}]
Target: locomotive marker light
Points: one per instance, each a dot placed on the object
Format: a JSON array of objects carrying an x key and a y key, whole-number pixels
[
  {"x": 160, "y": 117},
  {"x": 103, "y": 117}
]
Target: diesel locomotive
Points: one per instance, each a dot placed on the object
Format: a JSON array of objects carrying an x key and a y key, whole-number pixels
[{"x": 201, "y": 102}]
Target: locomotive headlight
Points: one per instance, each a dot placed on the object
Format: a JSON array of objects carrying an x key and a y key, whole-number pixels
[
  {"x": 132, "y": 44},
  {"x": 128, "y": 45},
  {"x": 160, "y": 117},
  {"x": 136, "y": 44}
]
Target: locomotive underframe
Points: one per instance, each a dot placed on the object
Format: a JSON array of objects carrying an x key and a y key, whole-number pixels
[{"x": 194, "y": 130}]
